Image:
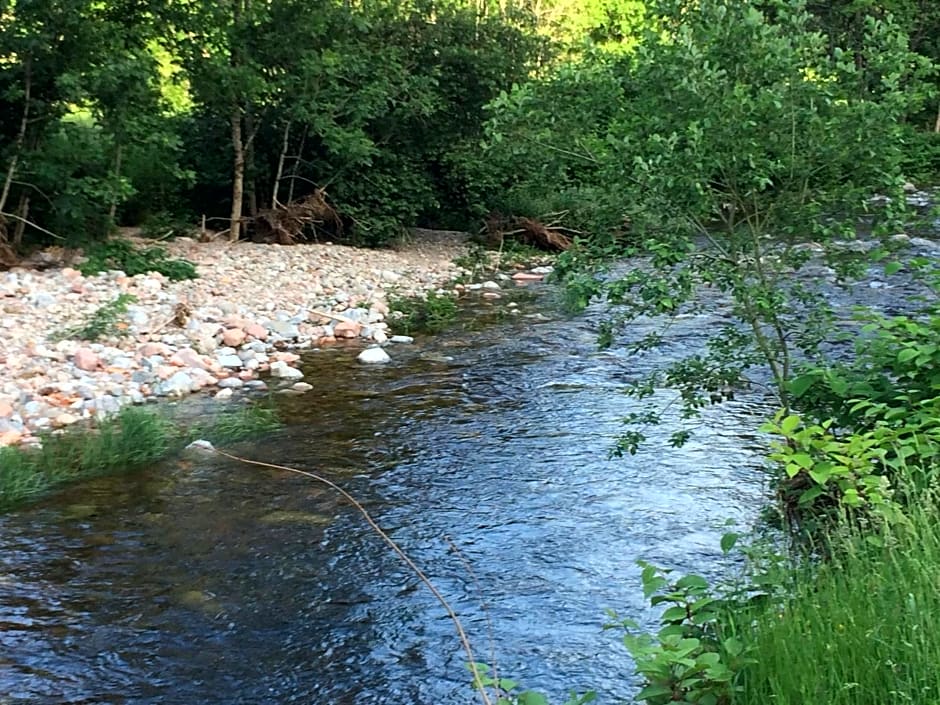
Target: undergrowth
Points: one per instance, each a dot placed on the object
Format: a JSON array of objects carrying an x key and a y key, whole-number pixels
[
  {"x": 119, "y": 254},
  {"x": 105, "y": 322}
]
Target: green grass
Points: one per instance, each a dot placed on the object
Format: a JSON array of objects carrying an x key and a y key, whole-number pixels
[
  {"x": 128, "y": 440},
  {"x": 431, "y": 313},
  {"x": 860, "y": 629}
]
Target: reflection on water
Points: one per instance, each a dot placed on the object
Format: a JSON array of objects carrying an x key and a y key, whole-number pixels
[{"x": 202, "y": 581}]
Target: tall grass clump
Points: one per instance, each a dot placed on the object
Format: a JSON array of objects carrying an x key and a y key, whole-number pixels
[
  {"x": 858, "y": 629},
  {"x": 129, "y": 439},
  {"x": 126, "y": 441}
]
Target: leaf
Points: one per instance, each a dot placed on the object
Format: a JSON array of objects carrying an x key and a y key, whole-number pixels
[
  {"x": 530, "y": 697},
  {"x": 654, "y": 690},
  {"x": 892, "y": 268},
  {"x": 907, "y": 354},
  {"x": 728, "y": 541},
  {"x": 789, "y": 424},
  {"x": 802, "y": 384}
]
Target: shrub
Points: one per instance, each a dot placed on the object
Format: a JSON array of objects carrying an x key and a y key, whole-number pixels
[{"x": 123, "y": 255}]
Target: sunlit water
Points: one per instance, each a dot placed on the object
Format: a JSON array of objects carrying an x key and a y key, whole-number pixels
[{"x": 204, "y": 581}]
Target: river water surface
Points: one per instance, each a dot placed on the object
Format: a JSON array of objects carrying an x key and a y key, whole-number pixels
[{"x": 202, "y": 581}]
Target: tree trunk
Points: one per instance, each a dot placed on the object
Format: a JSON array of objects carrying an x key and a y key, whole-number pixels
[
  {"x": 251, "y": 186},
  {"x": 116, "y": 176},
  {"x": 296, "y": 166},
  {"x": 20, "y": 136},
  {"x": 238, "y": 176},
  {"x": 936, "y": 127},
  {"x": 23, "y": 211},
  {"x": 280, "y": 166}
]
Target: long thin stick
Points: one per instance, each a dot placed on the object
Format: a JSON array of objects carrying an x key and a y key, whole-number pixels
[{"x": 461, "y": 634}]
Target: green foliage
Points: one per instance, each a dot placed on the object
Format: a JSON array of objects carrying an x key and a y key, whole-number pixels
[
  {"x": 858, "y": 629},
  {"x": 694, "y": 657},
  {"x": 105, "y": 322},
  {"x": 427, "y": 314},
  {"x": 119, "y": 254},
  {"x": 508, "y": 691},
  {"x": 731, "y": 137}
]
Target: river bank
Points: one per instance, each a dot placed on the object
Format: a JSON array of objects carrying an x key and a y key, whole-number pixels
[{"x": 238, "y": 326}]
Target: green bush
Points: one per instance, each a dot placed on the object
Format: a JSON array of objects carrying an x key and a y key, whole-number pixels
[
  {"x": 426, "y": 314},
  {"x": 121, "y": 254}
]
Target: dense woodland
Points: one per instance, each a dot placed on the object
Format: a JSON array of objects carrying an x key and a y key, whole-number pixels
[{"x": 283, "y": 118}]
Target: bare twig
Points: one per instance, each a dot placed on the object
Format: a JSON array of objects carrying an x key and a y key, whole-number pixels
[
  {"x": 461, "y": 634},
  {"x": 31, "y": 224}
]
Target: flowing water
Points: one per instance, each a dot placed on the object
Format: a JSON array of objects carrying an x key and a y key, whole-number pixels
[{"x": 202, "y": 581}]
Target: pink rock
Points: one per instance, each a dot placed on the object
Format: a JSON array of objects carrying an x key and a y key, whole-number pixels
[
  {"x": 77, "y": 288},
  {"x": 6, "y": 409},
  {"x": 233, "y": 337},
  {"x": 246, "y": 375},
  {"x": 257, "y": 331},
  {"x": 86, "y": 360},
  {"x": 527, "y": 277},
  {"x": 165, "y": 371},
  {"x": 10, "y": 438},
  {"x": 70, "y": 273},
  {"x": 286, "y": 357},
  {"x": 151, "y": 349},
  {"x": 187, "y": 357},
  {"x": 347, "y": 329}
]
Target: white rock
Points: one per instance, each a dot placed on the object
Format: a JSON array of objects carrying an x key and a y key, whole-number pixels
[
  {"x": 282, "y": 370},
  {"x": 374, "y": 356},
  {"x": 402, "y": 339}
]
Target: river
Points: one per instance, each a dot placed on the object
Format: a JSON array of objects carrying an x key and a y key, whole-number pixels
[{"x": 202, "y": 581}]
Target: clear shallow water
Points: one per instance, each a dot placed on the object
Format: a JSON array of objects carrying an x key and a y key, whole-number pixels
[{"x": 204, "y": 581}]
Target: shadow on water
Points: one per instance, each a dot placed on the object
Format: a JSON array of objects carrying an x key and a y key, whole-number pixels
[{"x": 202, "y": 581}]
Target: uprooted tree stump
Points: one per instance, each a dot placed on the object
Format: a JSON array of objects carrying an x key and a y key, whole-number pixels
[
  {"x": 549, "y": 235},
  {"x": 297, "y": 221}
]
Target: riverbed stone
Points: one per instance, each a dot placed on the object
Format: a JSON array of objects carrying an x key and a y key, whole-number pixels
[
  {"x": 233, "y": 337},
  {"x": 86, "y": 359},
  {"x": 229, "y": 361},
  {"x": 347, "y": 329},
  {"x": 178, "y": 384},
  {"x": 374, "y": 356},
  {"x": 282, "y": 370}
]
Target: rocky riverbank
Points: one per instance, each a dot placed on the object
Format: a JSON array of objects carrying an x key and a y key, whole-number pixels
[{"x": 237, "y": 327}]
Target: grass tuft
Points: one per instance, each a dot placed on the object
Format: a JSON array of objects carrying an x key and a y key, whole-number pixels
[
  {"x": 131, "y": 439},
  {"x": 860, "y": 629}
]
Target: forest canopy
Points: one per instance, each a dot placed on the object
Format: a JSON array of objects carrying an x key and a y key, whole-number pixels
[{"x": 306, "y": 118}]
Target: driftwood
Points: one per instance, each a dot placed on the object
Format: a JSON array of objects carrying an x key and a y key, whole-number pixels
[
  {"x": 297, "y": 221},
  {"x": 545, "y": 233}
]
